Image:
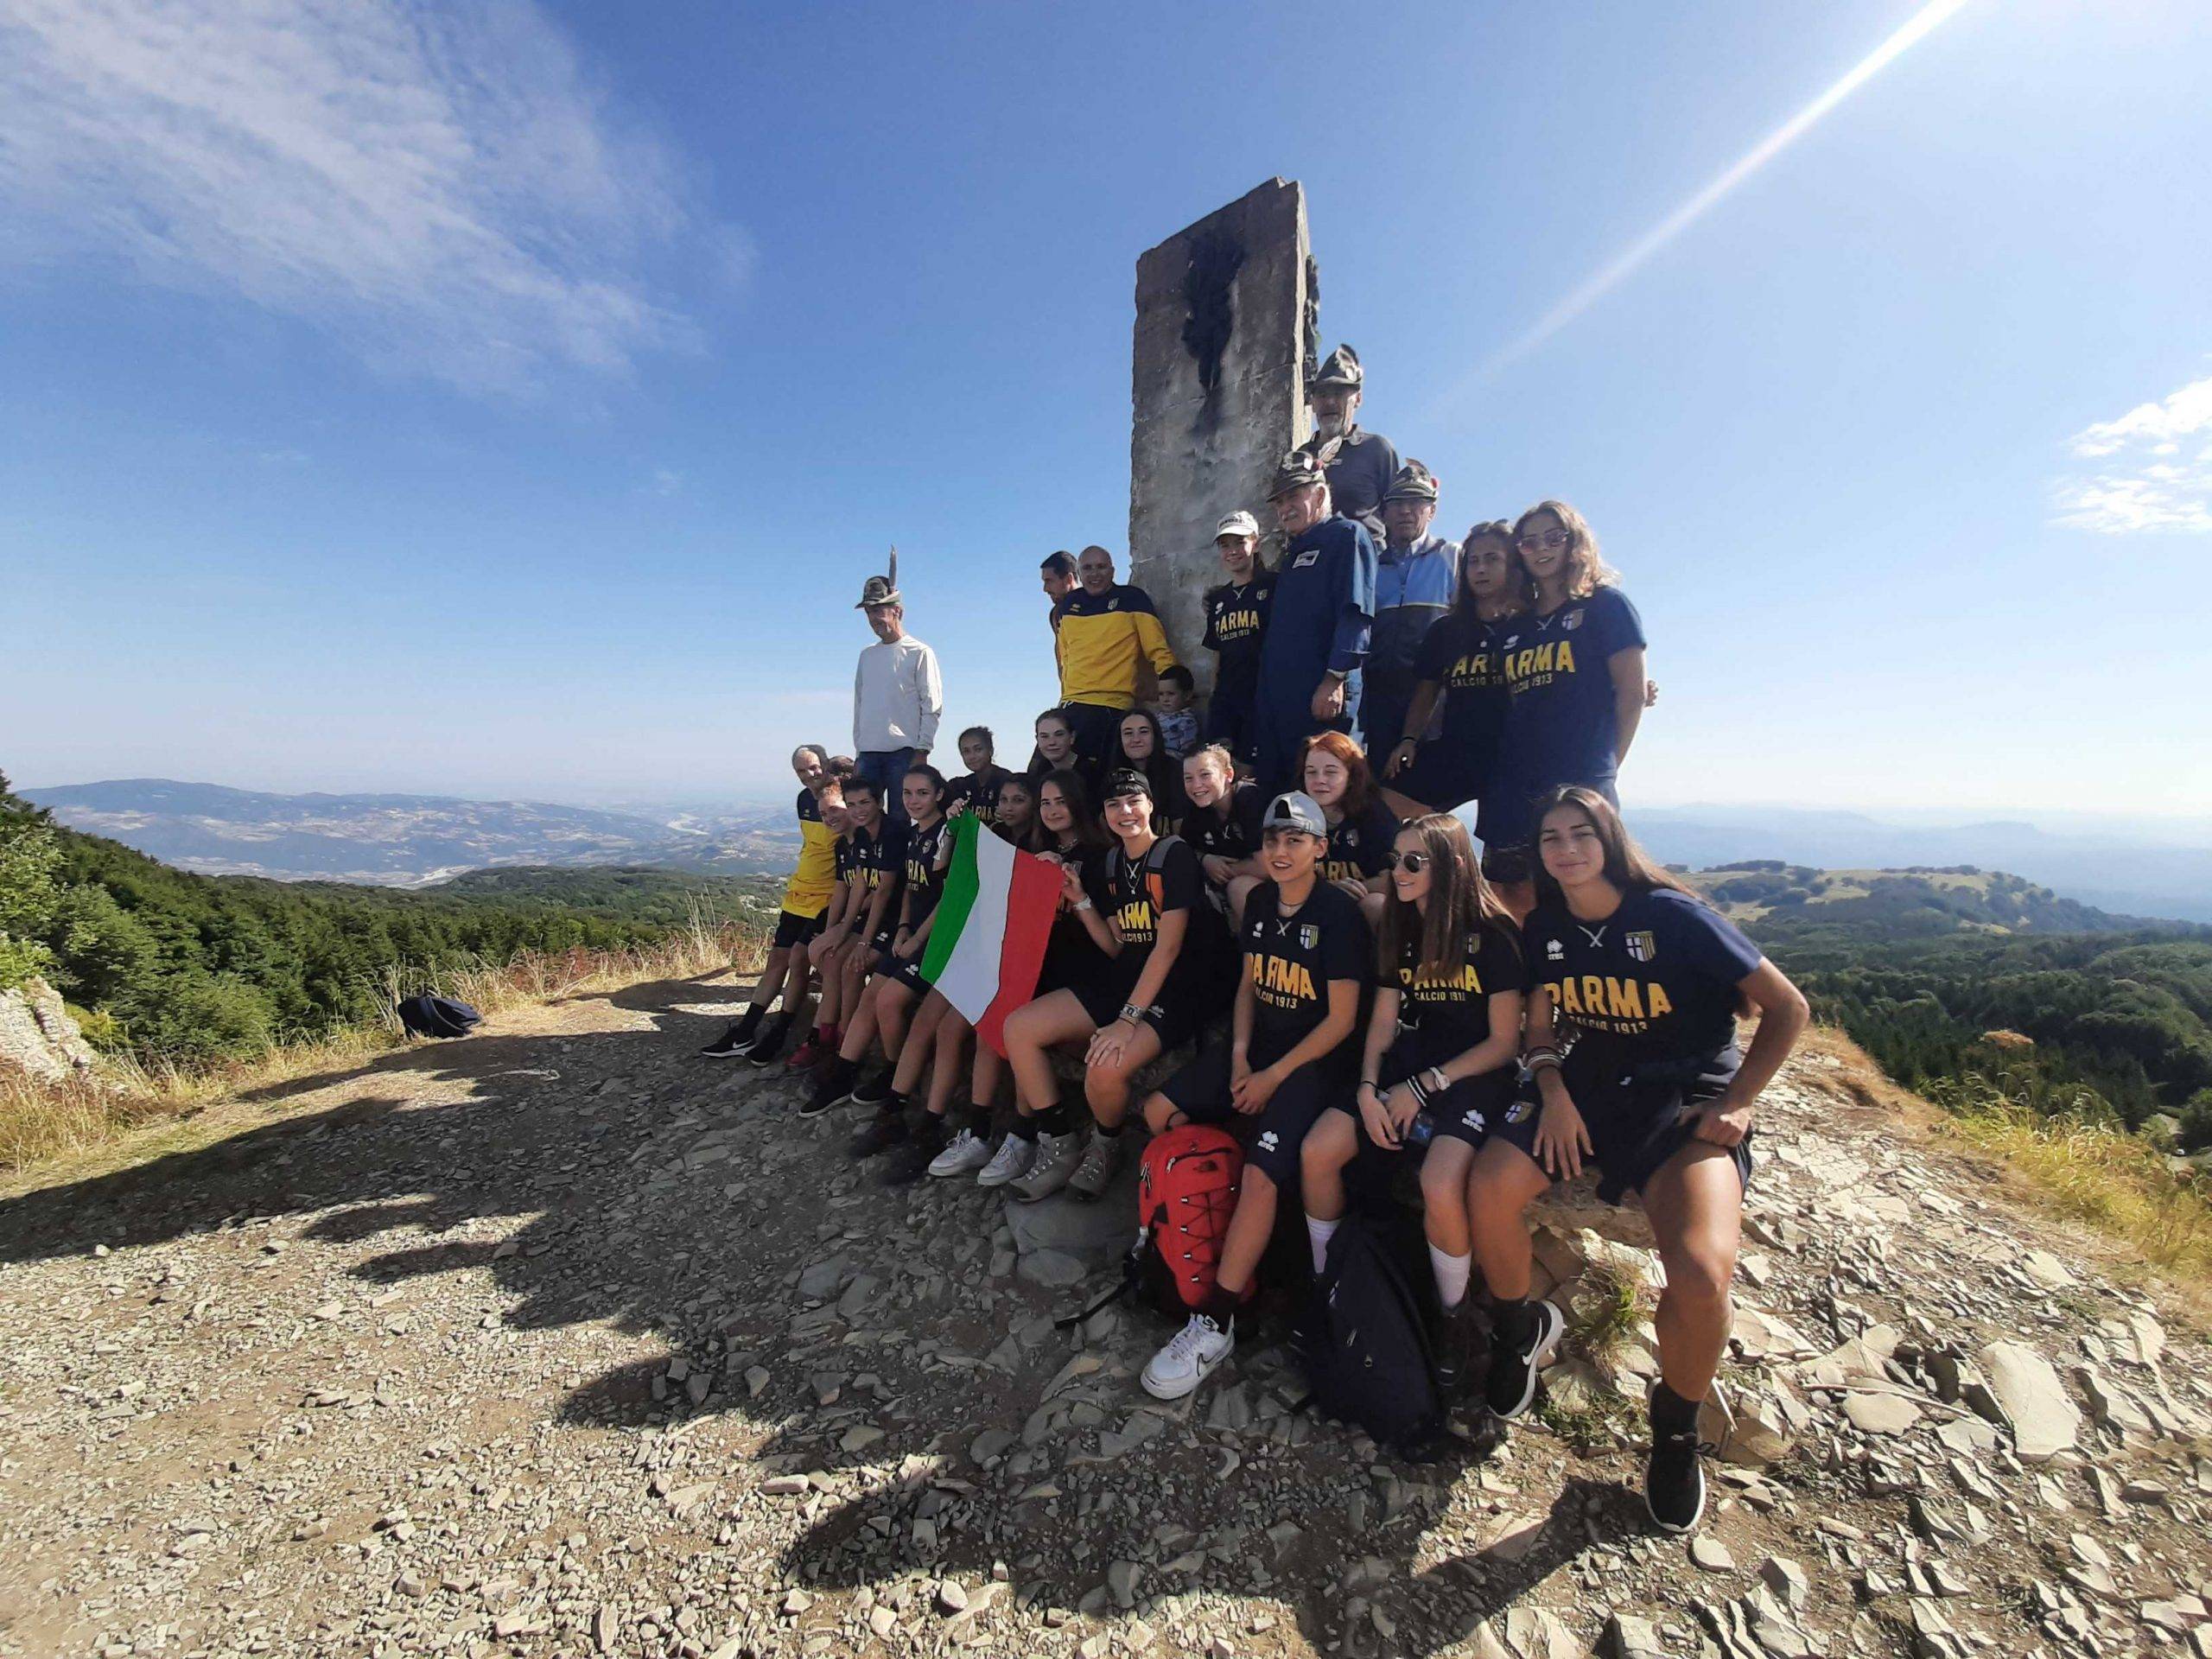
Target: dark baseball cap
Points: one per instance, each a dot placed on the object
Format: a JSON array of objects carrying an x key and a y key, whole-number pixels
[{"x": 1126, "y": 780}]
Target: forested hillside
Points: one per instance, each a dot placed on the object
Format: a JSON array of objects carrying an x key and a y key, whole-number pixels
[
  {"x": 2081, "y": 1023},
  {"x": 171, "y": 966},
  {"x": 618, "y": 891}
]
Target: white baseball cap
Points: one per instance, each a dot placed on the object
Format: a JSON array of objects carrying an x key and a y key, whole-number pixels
[{"x": 1236, "y": 523}]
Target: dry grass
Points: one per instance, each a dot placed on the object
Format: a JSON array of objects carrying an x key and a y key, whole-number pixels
[
  {"x": 39, "y": 1122},
  {"x": 1604, "y": 1310},
  {"x": 2095, "y": 1173}
]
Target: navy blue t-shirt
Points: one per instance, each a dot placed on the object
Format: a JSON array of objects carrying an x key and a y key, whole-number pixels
[
  {"x": 978, "y": 791},
  {"x": 1358, "y": 846},
  {"x": 1235, "y": 835},
  {"x": 1236, "y": 620},
  {"x": 1460, "y": 656},
  {"x": 1290, "y": 961},
  {"x": 1654, "y": 981},
  {"x": 1560, "y": 725}
]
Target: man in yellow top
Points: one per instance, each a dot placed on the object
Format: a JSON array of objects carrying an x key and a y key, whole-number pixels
[
  {"x": 806, "y": 898},
  {"x": 1108, "y": 634}
]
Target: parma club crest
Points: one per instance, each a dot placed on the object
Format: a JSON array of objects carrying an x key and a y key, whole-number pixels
[
  {"x": 1571, "y": 621},
  {"x": 1640, "y": 946},
  {"x": 1309, "y": 936},
  {"x": 1519, "y": 1110}
]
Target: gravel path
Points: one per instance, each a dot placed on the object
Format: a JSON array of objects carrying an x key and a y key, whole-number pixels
[{"x": 559, "y": 1341}]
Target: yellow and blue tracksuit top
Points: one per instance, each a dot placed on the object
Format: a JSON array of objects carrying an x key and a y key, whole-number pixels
[
  {"x": 807, "y": 893},
  {"x": 1102, "y": 637}
]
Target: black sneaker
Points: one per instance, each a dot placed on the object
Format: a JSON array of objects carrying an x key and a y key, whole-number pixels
[
  {"x": 911, "y": 1160},
  {"x": 1674, "y": 1476},
  {"x": 872, "y": 1092},
  {"x": 884, "y": 1131},
  {"x": 763, "y": 1049},
  {"x": 831, "y": 1086},
  {"x": 1463, "y": 1350},
  {"x": 1511, "y": 1383},
  {"x": 730, "y": 1044}
]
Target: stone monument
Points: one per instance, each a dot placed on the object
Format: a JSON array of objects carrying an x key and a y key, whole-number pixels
[{"x": 1226, "y": 337}]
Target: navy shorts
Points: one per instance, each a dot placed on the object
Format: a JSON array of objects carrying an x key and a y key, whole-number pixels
[
  {"x": 794, "y": 930},
  {"x": 1638, "y": 1116},
  {"x": 1470, "y": 1111},
  {"x": 1273, "y": 1136}
]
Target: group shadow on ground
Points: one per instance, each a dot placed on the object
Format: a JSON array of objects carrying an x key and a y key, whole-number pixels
[{"x": 552, "y": 1135}]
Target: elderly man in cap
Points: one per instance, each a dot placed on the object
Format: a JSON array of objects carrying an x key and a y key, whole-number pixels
[
  {"x": 897, "y": 693},
  {"x": 1416, "y": 574},
  {"x": 1236, "y": 620},
  {"x": 1365, "y": 461},
  {"x": 1319, "y": 621},
  {"x": 1109, "y": 633}
]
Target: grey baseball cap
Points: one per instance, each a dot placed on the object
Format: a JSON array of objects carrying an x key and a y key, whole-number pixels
[
  {"x": 1239, "y": 523},
  {"x": 1294, "y": 809}
]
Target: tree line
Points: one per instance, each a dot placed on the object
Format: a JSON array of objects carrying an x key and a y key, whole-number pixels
[{"x": 166, "y": 965}]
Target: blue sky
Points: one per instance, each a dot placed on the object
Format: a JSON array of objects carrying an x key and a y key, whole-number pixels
[{"x": 514, "y": 406}]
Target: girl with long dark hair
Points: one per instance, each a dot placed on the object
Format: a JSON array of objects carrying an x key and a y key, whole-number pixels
[
  {"x": 1442, "y": 1041},
  {"x": 1631, "y": 1039},
  {"x": 1460, "y": 667},
  {"x": 1140, "y": 745}
]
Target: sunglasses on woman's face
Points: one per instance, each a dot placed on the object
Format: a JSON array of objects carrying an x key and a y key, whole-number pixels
[
  {"x": 1550, "y": 538},
  {"x": 1411, "y": 863}
]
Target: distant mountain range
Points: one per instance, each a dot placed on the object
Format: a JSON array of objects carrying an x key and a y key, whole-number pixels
[
  {"x": 2152, "y": 875},
  {"x": 404, "y": 840},
  {"x": 413, "y": 840}
]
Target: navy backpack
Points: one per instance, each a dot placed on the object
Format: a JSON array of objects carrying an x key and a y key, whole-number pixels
[
  {"x": 1363, "y": 1343},
  {"x": 437, "y": 1016}
]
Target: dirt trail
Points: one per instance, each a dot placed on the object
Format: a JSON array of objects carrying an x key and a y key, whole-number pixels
[{"x": 561, "y": 1341}]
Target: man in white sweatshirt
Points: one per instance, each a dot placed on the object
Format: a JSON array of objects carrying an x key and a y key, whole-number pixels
[{"x": 897, "y": 697}]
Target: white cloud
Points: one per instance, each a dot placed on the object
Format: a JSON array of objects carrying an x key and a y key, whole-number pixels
[
  {"x": 2157, "y": 468},
  {"x": 440, "y": 187}
]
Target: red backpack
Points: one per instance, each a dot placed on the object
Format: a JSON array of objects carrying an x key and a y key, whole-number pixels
[{"x": 1186, "y": 1192}]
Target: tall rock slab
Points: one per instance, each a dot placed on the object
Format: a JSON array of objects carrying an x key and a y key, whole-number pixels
[{"x": 1225, "y": 335}]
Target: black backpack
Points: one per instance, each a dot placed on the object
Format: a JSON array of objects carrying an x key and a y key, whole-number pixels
[
  {"x": 1363, "y": 1343},
  {"x": 437, "y": 1016}
]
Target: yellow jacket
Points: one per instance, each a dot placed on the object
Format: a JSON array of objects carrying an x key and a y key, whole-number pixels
[{"x": 1103, "y": 638}]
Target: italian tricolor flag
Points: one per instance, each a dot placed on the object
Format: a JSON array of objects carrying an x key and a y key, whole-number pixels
[{"x": 989, "y": 939}]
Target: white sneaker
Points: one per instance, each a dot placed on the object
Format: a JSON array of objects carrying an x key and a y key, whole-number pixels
[
  {"x": 965, "y": 1154},
  {"x": 1011, "y": 1159},
  {"x": 1190, "y": 1355},
  {"x": 1048, "y": 1172}
]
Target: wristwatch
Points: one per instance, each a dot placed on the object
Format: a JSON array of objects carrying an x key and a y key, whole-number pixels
[
  {"x": 1133, "y": 1013},
  {"x": 1082, "y": 904}
]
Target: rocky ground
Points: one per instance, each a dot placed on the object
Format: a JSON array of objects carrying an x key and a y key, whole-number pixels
[{"x": 559, "y": 1341}]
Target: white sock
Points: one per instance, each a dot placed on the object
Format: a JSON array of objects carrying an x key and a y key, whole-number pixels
[
  {"x": 1452, "y": 1273},
  {"x": 1318, "y": 1233}
]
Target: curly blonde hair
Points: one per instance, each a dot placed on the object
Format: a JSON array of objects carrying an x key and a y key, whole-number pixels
[{"x": 1587, "y": 570}]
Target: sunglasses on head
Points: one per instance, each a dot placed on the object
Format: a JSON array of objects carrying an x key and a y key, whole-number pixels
[
  {"x": 1549, "y": 539},
  {"x": 1411, "y": 863}
]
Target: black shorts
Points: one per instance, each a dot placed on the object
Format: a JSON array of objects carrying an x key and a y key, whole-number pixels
[
  {"x": 1183, "y": 1007},
  {"x": 1097, "y": 729},
  {"x": 890, "y": 966},
  {"x": 1503, "y": 865},
  {"x": 1637, "y": 1118},
  {"x": 1273, "y": 1136},
  {"x": 794, "y": 930},
  {"x": 1440, "y": 777}
]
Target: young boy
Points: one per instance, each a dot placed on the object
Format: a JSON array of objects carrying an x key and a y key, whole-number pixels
[{"x": 1178, "y": 717}]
